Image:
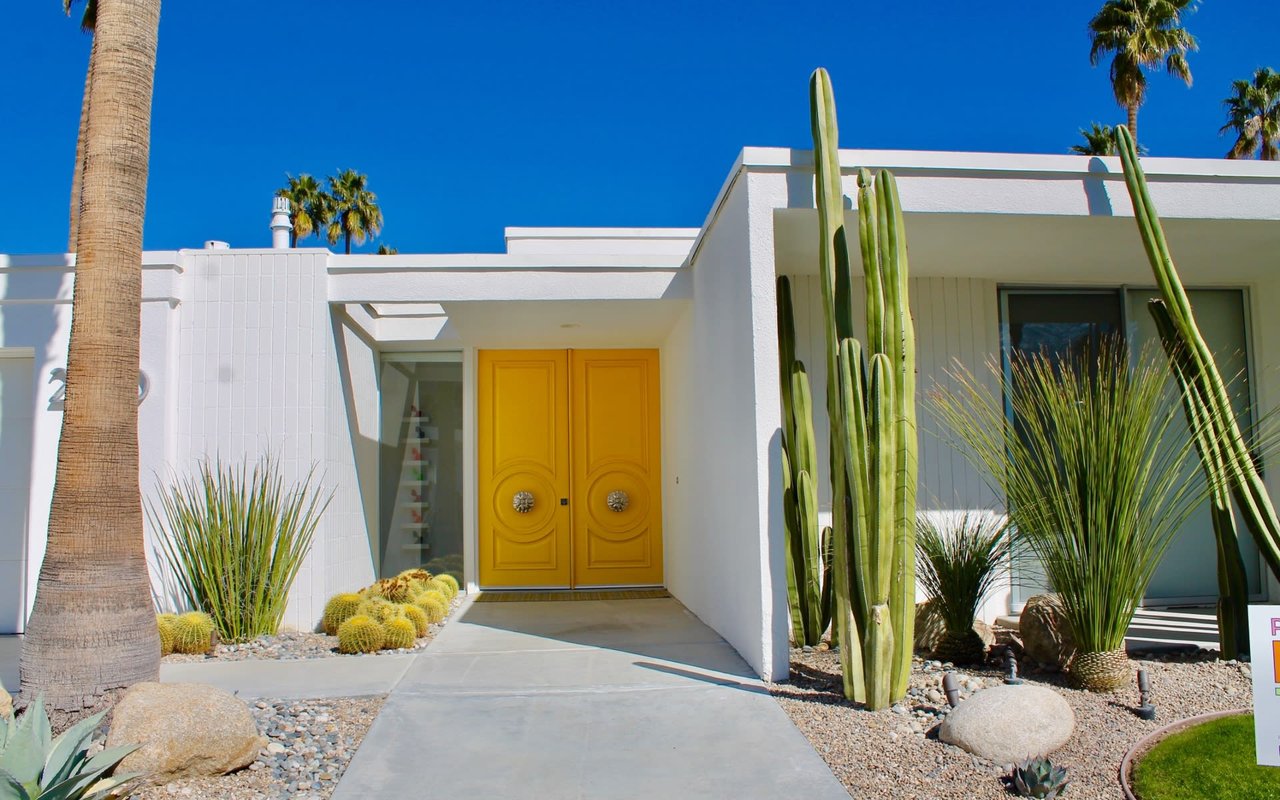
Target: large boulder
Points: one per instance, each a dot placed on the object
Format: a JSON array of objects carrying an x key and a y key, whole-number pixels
[
  {"x": 1009, "y": 724},
  {"x": 930, "y": 629},
  {"x": 186, "y": 730},
  {"x": 1046, "y": 636},
  {"x": 6, "y": 704}
]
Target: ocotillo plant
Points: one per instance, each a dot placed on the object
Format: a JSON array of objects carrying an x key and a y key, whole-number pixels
[
  {"x": 808, "y": 589},
  {"x": 871, "y": 404},
  {"x": 1213, "y": 404},
  {"x": 1233, "y": 585}
]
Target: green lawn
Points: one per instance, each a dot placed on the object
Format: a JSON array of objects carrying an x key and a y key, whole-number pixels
[{"x": 1211, "y": 761}]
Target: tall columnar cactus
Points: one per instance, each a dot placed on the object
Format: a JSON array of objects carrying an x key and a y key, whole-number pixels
[
  {"x": 808, "y": 589},
  {"x": 1233, "y": 583},
  {"x": 871, "y": 405},
  {"x": 1223, "y": 450}
]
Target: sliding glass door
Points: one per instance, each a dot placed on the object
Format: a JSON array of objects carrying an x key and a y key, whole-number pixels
[{"x": 1067, "y": 324}]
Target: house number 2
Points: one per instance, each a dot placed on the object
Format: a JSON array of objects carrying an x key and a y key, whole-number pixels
[{"x": 59, "y": 376}]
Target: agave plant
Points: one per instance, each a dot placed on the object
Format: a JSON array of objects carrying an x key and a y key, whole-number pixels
[
  {"x": 1038, "y": 777},
  {"x": 34, "y": 764},
  {"x": 1096, "y": 482},
  {"x": 960, "y": 556}
]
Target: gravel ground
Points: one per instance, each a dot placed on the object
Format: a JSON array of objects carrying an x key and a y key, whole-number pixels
[
  {"x": 296, "y": 645},
  {"x": 896, "y": 753},
  {"x": 310, "y": 743}
]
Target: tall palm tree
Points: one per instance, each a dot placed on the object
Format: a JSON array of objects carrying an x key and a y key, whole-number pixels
[
  {"x": 1253, "y": 115},
  {"x": 87, "y": 22},
  {"x": 93, "y": 628},
  {"x": 1099, "y": 140},
  {"x": 355, "y": 209},
  {"x": 310, "y": 208},
  {"x": 1143, "y": 34}
]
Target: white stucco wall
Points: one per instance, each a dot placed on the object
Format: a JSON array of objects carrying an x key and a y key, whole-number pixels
[
  {"x": 35, "y": 315},
  {"x": 719, "y": 426}
]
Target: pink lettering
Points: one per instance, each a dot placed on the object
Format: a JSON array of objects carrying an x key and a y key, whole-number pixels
[{"x": 1275, "y": 626}]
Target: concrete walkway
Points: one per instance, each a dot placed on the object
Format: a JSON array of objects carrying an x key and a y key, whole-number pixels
[{"x": 589, "y": 699}]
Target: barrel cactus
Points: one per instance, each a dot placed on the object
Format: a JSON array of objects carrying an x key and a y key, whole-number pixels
[
  {"x": 398, "y": 633},
  {"x": 434, "y": 603},
  {"x": 360, "y": 634},
  {"x": 450, "y": 582},
  {"x": 193, "y": 633},
  {"x": 339, "y": 609},
  {"x": 421, "y": 621},
  {"x": 378, "y": 608},
  {"x": 416, "y": 574},
  {"x": 164, "y": 622},
  {"x": 446, "y": 589},
  {"x": 397, "y": 590}
]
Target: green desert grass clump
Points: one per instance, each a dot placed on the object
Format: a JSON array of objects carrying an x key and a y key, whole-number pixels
[
  {"x": 360, "y": 634},
  {"x": 192, "y": 633},
  {"x": 1096, "y": 483},
  {"x": 959, "y": 557},
  {"x": 234, "y": 538},
  {"x": 1209, "y": 761}
]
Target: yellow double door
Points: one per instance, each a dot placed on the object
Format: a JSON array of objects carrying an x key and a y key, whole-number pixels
[{"x": 569, "y": 468}]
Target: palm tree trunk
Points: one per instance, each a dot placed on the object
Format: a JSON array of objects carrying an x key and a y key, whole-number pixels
[
  {"x": 1133, "y": 122},
  {"x": 77, "y": 173},
  {"x": 93, "y": 628},
  {"x": 348, "y": 236}
]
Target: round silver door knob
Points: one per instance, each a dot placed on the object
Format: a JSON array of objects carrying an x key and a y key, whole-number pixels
[
  {"x": 618, "y": 500},
  {"x": 522, "y": 502}
]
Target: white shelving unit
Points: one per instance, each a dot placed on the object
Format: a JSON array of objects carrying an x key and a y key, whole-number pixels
[{"x": 417, "y": 479}]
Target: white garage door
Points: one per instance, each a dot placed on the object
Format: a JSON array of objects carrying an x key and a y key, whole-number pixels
[{"x": 17, "y": 413}]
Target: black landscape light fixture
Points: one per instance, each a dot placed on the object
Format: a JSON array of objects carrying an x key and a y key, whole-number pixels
[
  {"x": 1011, "y": 669},
  {"x": 1145, "y": 709},
  {"x": 951, "y": 687}
]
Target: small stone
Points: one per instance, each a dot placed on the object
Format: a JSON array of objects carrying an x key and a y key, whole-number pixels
[
  {"x": 275, "y": 748},
  {"x": 6, "y": 704}
]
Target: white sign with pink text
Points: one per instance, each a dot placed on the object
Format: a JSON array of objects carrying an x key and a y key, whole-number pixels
[{"x": 1264, "y": 647}]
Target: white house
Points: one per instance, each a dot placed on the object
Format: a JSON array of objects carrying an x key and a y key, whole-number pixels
[{"x": 599, "y": 407}]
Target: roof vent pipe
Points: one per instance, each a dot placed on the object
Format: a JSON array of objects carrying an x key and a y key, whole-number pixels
[
  {"x": 281, "y": 227},
  {"x": 214, "y": 244}
]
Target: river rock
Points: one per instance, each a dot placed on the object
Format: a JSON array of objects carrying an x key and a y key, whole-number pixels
[
  {"x": 1009, "y": 724},
  {"x": 187, "y": 730},
  {"x": 1046, "y": 636},
  {"x": 6, "y": 705}
]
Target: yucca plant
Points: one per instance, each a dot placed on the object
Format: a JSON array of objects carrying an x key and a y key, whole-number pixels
[
  {"x": 34, "y": 764},
  {"x": 959, "y": 558},
  {"x": 1095, "y": 484},
  {"x": 234, "y": 538}
]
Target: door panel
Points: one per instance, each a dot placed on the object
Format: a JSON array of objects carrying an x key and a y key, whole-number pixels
[
  {"x": 616, "y": 439},
  {"x": 523, "y": 443}
]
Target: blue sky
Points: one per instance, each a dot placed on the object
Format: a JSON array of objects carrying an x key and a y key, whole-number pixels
[{"x": 469, "y": 117}]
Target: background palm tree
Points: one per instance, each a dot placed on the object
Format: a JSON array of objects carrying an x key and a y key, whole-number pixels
[
  {"x": 93, "y": 628},
  {"x": 1099, "y": 140},
  {"x": 310, "y": 208},
  {"x": 87, "y": 22},
  {"x": 1253, "y": 115},
  {"x": 1142, "y": 34},
  {"x": 387, "y": 250},
  {"x": 355, "y": 209}
]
